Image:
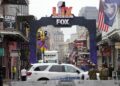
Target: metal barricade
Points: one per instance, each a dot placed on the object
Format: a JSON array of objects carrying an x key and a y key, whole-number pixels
[
  {"x": 116, "y": 75},
  {"x": 68, "y": 83}
]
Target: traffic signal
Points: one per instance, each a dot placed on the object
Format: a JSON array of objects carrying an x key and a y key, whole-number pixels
[
  {"x": 45, "y": 33},
  {"x": 1, "y": 19},
  {"x": 26, "y": 24},
  {"x": 38, "y": 35},
  {"x": 41, "y": 35}
]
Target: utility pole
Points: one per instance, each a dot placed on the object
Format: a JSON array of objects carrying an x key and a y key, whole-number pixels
[
  {"x": 1, "y": 72},
  {"x": 1, "y": 56},
  {"x": 1, "y": 78}
]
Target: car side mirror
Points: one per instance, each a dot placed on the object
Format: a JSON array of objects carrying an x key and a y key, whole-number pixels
[{"x": 77, "y": 71}]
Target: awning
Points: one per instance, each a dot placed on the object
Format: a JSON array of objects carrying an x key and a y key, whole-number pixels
[
  {"x": 111, "y": 37},
  {"x": 99, "y": 38},
  {"x": 113, "y": 32},
  {"x": 103, "y": 41},
  {"x": 14, "y": 35}
]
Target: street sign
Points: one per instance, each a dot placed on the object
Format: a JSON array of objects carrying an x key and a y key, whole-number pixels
[
  {"x": 1, "y": 52},
  {"x": 15, "y": 53}
]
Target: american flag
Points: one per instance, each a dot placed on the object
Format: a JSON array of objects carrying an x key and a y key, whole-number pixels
[{"x": 101, "y": 25}]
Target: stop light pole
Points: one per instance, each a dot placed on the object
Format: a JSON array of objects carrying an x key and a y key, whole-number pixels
[
  {"x": 1, "y": 55},
  {"x": 1, "y": 78},
  {"x": 1, "y": 69}
]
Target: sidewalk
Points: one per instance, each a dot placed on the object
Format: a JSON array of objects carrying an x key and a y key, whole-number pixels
[{"x": 6, "y": 82}]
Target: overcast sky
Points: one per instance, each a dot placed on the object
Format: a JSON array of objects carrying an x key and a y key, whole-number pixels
[{"x": 42, "y": 8}]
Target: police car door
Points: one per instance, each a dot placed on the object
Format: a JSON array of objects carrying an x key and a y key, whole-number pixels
[
  {"x": 72, "y": 72},
  {"x": 57, "y": 72}
]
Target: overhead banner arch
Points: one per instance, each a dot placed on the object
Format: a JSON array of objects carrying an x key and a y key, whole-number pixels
[
  {"x": 90, "y": 24},
  {"x": 64, "y": 18}
]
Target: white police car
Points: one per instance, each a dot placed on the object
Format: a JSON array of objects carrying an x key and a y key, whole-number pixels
[{"x": 55, "y": 71}]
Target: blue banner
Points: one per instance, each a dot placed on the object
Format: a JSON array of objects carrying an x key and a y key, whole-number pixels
[
  {"x": 113, "y": 1},
  {"x": 110, "y": 10}
]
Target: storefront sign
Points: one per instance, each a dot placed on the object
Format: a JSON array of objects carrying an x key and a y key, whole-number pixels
[
  {"x": 15, "y": 53},
  {"x": 9, "y": 22},
  {"x": 1, "y": 52}
]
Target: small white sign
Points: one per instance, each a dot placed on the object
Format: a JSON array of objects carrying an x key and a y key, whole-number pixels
[
  {"x": 62, "y": 21},
  {"x": 14, "y": 53}
]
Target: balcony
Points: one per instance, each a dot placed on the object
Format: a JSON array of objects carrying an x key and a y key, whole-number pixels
[
  {"x": 16, "y": 28},
  {"x": 16, "y": 2}
]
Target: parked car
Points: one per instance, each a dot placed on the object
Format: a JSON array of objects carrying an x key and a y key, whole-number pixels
[{"x": 55, "y": 71}]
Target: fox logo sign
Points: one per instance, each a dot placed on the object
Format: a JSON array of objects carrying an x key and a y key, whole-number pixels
[{"x": 62, "y": 21}]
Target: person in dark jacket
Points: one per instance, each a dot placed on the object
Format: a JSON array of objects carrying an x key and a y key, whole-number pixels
[
  {"x": 93, "y": 72},
  {"x": 118, "y": 73},
  {"x": 110, "y": 70},
  {"x": 104, "y": 72}
]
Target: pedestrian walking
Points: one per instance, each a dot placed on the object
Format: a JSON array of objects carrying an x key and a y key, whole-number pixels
[
  {"x": 23, "y": 74},
  {"x": 13, "y": 72},
  {"x": 93, "y": 72},
  {"x": 104, "y": 72},
  {"x": 110, "y": 70}
]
